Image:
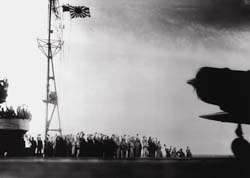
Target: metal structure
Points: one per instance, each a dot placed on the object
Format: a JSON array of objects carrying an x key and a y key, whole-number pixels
[{"x": 50, "y": 47}]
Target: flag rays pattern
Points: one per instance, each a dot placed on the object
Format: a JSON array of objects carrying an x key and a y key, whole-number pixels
[{"x": 79, "y": 11}]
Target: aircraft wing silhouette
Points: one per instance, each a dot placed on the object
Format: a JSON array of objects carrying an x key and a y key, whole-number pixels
[
  {"x": 226, "y": 88},
  {"x": 226, "y": 117}
]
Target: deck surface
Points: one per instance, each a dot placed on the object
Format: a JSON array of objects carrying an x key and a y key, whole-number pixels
[{"x": 142, "y": 168}]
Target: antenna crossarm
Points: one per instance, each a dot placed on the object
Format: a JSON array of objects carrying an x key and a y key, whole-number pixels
[{"x": 55, "y": 45}]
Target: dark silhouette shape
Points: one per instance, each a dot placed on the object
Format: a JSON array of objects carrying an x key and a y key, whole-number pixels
[
  {"x": 188, "y": 152},
  {"x": 228, "y": 89},
  {"x": 3, "y": 90},
  {"x": 239, "y": 132},
  {"x": 33, "y": 146},
  {"x": 240, "y": 146}
]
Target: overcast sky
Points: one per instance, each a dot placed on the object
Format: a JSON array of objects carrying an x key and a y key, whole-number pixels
[{"x": 124, "y": 70}]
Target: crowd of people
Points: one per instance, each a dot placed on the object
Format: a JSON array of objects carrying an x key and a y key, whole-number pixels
[
  {"x": 172, "y": 152},
  {"x": 102, "y": 146},
  {"x": 10, "y": 113}
]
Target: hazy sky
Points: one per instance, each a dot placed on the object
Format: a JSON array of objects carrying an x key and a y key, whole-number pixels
[{"x": 124, "y": 70}]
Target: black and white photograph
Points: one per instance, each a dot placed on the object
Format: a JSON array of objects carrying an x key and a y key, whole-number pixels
[{"x": 125, "y": 89}]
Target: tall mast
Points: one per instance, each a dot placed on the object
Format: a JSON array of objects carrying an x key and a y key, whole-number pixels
[{"x": 50, "y": 48}]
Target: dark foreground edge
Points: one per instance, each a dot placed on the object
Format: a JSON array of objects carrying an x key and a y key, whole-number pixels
[{"x": 202, "y": 167}]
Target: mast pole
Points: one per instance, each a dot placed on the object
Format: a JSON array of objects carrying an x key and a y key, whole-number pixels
[
  {"x": 49, "y": 57},
  {"x": 48, "y": 45}
]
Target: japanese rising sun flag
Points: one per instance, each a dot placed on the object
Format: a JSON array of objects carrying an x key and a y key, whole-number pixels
[{"x": 77, "y": 11}]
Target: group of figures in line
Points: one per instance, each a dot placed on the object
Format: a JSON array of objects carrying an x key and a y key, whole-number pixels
[
  {"x": 10, "y": 113},
  {"x": 172, "y": 152},
  {"x": 103, "y": 146}
]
